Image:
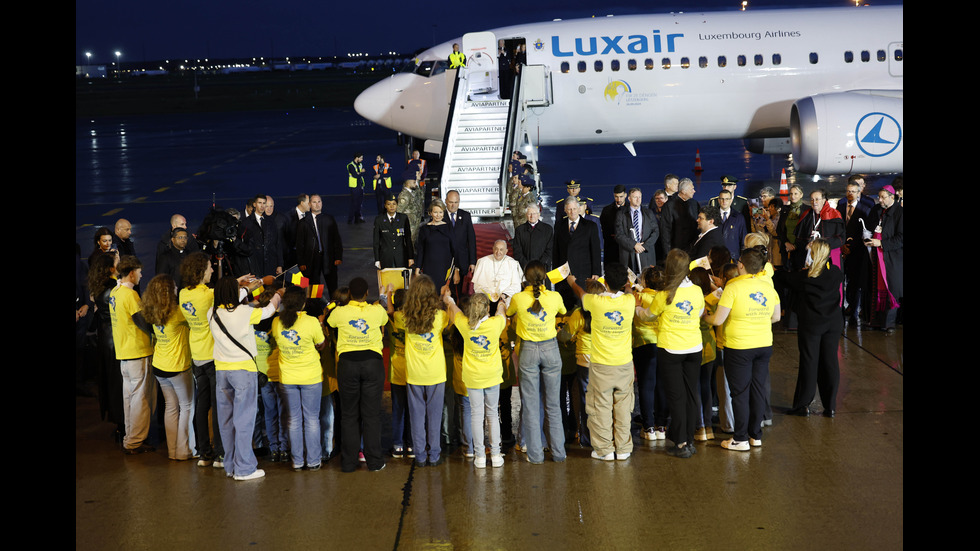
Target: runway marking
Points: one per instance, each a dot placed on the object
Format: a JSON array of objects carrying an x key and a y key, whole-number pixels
[
  {"x": 181, "y": 181},
  {"x": 406, "y": 501},
  {"x": 139, "y": 200},
  {"x": 111, "y": 212},
  {"x": 160, "y": 190}
]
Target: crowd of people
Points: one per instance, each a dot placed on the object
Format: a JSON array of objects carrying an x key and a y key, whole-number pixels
[{"x": 674, "y": 299}]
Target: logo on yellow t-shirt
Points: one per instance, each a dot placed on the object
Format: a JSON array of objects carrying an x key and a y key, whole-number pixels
[
  {"x": 616, "y": 316},
  {"x": 360, "y": 325},
  {"x": 685, "y": 306}
]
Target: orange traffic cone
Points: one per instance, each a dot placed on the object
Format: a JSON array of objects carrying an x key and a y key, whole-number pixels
[
  {"x": 697, "y": 163},
  {"x": 783, "y": 188}
]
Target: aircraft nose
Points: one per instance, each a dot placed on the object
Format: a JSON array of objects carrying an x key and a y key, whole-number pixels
[{"x": 374, "y": 104}]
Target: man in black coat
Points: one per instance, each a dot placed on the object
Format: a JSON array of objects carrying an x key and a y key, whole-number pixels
[
  {"x": 464, "y": 239},
  {"x": 319, "y": 249},
  {"x": 262, "y": 238},
  {"x": 576, "y": 242},
  {"x": 854, "y": 210},
  {"x": 711, "y": 235},
  {"x": 607, "y": 223},
  {"x": 533, "y": 240},
  {"x": 678, "y": 220},
  {"x": 392, "y": 238},
  {"x": 290, "y": 226},
  {"x": 637, "y": 231}
]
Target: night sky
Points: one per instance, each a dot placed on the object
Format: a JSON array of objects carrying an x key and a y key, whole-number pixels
[{"x": 153, "y": 30}]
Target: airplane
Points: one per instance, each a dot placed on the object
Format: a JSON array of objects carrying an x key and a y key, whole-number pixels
[{"x": 825, "y": 84}]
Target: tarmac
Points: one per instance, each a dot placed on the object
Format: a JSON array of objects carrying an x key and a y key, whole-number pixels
[{"x": 816, "y": 483}]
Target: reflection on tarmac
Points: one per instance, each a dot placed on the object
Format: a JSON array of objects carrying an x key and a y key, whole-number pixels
[{"x": 816, "y": 482}]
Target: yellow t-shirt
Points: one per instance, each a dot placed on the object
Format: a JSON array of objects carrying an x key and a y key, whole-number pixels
[
  {"x": 425, "y": 360},
  {"x": 679, "y": 326},
  {"x": 396, "y": 349},
  {"x": 195, "y": 305},
  {"x": 752, "y": 300},
  {"x": 267, "y": 359},
  {"x": 130, "y": 341},
  {"x": 482, "y": 367},
  {"x": 645, "y": 331},
  {"x": 172, "y": 352},
  {"x": 575, "y": 324},
  {"x": 360, "y": 326},
  {"x": 612, "y": 327},
  {"x": 299, "y": 361},
  {"x": 536, "y": 327}
]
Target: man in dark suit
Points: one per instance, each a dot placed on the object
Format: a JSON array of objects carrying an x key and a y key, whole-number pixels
[
  {"x": 637, "y": 231},
  {"x": 262, "y": 238},
  {"x": 854, "y": 210},
  {"x": 464, "y": 240},
  {"x": 533, "y": 240},
  {"x": 710, "y": 236},
  {"x": 392, "y": 238},
  {"x": 678, "y": 219},
  {"x": 576, "y": 242},
  {"x": 607, "y": 223},
  {"x": 739, "y": 204},
  {"x": 319, "y": 250},
  {"x": 289, "y": 227},
  {"x": 733, "y": 224}
]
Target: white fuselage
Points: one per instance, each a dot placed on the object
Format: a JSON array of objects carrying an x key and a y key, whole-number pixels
[{"x": 684, "y": 76}]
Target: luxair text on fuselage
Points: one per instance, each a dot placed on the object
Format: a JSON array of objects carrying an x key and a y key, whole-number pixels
[{"x": 634, "y": 44}]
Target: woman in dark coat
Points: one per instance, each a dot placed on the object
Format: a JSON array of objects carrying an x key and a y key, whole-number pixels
[
  {"x": 101, "y": 280},
  {"x": 818, "y": 304},
  {"x": 434, "y": 250},
  {"x": 887, "y": 259}
]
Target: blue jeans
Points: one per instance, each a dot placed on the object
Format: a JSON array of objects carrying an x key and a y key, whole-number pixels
[
  {"x": 326, "y": 424},
  {"x": 303, "y": 403},
  {"x": 178, "y": 395},
  {"x": 425, "y": 407},
  {"x": 464, "y": 422},
  {"x": 540, "y": 369},
  {"x": 483, "y": 408},
  {"x": 275, "y": 418},
  {"x": 400, "y": 419},
  {"x": 237, "y": 393}
]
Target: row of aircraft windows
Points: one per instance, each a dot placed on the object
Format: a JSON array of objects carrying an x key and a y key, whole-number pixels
[{"x": 742, "y": 60}]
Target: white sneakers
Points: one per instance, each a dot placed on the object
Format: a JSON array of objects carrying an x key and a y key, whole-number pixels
[
  {"x": 480, "y": 462},
  {"x": 257, "y": 473},
  {"x": 742, "y": 446},
  {"x": 611, "y": 456},
  {"x": 497, "y": 460}
]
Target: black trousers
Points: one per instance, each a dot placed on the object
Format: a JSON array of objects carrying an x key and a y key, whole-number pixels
[
  {"x": 819, "y": 368},
  {"x": 747, "y": 372},
  {"x": 361, "y": 382},
  {"x": 680, "y": 375}
]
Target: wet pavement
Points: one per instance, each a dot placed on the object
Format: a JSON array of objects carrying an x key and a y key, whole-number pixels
[{"x": 815, "y": 483}]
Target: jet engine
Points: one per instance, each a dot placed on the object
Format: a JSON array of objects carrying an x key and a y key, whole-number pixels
[{"x": 848, "y": 132}]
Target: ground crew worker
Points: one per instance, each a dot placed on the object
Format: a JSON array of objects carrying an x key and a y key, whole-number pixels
[
  {"x": 457, "y": 59},
  {"x": 355, "y": 181},
  {"x": 382, "y": 175}
]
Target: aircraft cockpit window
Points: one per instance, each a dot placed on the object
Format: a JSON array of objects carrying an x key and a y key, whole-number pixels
[
  {"x": 882, "y": 56},
  {"x": 582, "y": 66},
  {"x": 758, "y": 59},
  {"x": 614, "y": 65},
  {"x": 648, "y": 63},
  {"x": 741, "y": 61},
  {"x": 848, "y": 56},
  {"x": 865, "y": 56},
  {"x": 665, "y": 63},
  {"x": 565, "y": 67},
  {"x": 813, "y": 58},
  {"x": 899, "y": 54},
  {"x": 777, "y": 59},
  {"x": 702, "y": 62},
  {"x": 631, "y": 64},
  {"x": 722, "y": 61},
  {"x": 685, "y": 62},
  {"x": 425, "y": 68},
  {"x": 439, "y": 67},
  {"x": 598, "y": 66}
]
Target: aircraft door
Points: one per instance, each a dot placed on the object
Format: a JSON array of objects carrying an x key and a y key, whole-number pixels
[
  {"x": 896, "y": 56},
  {"x": 481, "y": 62}
]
